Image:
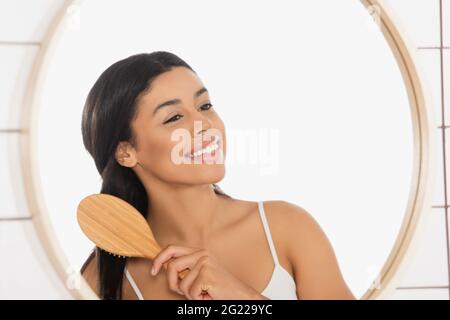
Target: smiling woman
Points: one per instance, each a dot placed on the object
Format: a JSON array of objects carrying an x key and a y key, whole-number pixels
[{"x": 119, "y": 134}]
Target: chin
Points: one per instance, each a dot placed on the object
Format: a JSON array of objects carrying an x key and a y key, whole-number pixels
[
  {"x": 209, "y": 173},
  {"x": 201, "y": 174}
]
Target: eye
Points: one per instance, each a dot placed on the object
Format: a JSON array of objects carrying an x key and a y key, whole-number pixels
[
  {"x": 174, "y": 118},
  {"x": 208, "y": 106}
]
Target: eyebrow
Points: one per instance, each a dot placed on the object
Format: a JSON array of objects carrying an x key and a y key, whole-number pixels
[{"x": 177, "y": 101}]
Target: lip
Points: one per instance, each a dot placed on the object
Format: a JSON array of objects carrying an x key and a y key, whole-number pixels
[{"x": 205, "y": 144}]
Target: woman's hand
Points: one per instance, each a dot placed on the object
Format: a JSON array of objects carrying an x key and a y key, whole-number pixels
[{"x": 205, "y": 275}]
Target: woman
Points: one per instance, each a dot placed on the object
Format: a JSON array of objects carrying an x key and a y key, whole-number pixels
[{"x": 132, "y": 117}]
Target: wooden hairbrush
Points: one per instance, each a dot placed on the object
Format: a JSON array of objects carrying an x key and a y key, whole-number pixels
[{"x": 117, "y": 227}]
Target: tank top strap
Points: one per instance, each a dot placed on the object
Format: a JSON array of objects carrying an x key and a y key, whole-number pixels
[
  {"x": 262, "y": 214},
  {"x": 133, "y": 284}
]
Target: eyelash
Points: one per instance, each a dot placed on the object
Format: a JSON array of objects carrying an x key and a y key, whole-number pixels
[{"x": 206, "y": 104}]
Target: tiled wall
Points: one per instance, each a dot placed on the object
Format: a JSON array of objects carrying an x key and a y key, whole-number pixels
[
  {"x": 427, "y": 25},
  {"x": 26, "y": 273}
]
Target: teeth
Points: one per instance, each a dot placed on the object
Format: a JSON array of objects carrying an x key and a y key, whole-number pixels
[{"x": 208, "y": 149}]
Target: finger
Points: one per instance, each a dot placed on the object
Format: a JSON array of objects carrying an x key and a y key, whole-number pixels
[
  {"x": 172, "y": 277},
  {"x": 176, "y": 265},
  {"x": 186, "y": 283},
  {"x": 200, "y": 284},
  {"x": 169, "y": 252}
]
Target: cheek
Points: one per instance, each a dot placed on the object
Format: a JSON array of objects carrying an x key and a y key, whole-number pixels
[{"x": 155, "y": 149}]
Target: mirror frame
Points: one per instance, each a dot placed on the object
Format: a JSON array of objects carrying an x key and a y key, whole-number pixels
[{"x": 419, "y": 199}]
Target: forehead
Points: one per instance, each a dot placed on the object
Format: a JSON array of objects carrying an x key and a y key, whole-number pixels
[{"x": 180, "y": 82}]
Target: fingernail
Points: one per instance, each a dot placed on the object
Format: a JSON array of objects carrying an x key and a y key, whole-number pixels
[{"x": 153, "y": 270}]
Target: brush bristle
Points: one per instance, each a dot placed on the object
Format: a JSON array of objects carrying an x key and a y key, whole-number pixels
[{"x": 115, "y": 255}]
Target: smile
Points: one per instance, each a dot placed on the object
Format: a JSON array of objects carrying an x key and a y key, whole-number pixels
[{"x": 214, "y": 145}]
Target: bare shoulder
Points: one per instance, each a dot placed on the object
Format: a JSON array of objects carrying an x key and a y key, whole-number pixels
[
  {"x": 310, "y": 252},
  {"x": 285, "y": 209},
  {"x": 290, "y": 223},
  {"x": 299, "y": 228},
  {"x": 289, "y": 217},
  {"x": 89, "y": 271}
]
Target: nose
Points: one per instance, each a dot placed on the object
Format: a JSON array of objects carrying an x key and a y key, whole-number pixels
[{"x": 201, "y": 125}]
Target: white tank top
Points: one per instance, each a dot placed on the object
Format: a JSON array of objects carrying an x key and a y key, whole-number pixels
[{"x": 281, "y": 285}]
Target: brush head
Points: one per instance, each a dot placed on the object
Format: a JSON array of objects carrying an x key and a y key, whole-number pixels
[{"x": 116, "y": 226}]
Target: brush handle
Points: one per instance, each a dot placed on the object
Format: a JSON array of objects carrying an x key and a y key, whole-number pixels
[{"x": 181, "y": 274}]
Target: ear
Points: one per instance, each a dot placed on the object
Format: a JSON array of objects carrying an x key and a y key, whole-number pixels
[{"x": 125, "y": 154}]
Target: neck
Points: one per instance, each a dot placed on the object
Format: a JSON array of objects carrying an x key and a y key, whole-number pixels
[{"x": 183, "y": 215}]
